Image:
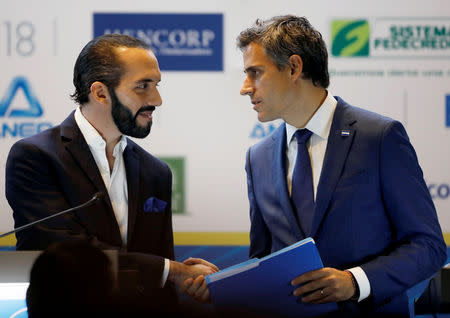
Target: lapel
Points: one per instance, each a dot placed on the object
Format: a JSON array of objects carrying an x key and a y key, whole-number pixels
[
  {"x": 75, "y": 144},
  {"x": 338, "y": 146},
  {"x": 279, "y": 179},
  {"x": 132, "y": 168}
]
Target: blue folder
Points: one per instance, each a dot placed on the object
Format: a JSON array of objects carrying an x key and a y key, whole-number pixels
[{"x": 264, "y": 285}]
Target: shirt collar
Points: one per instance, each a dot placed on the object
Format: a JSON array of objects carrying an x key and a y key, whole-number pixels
[
  {"x": 93, "y": 138},
  {"x": 320, "y": 122}
]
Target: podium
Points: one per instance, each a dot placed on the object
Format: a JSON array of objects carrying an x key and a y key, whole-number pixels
[
  {"x": 15, "y": 269},
  {"x": 16, "y": 265}
]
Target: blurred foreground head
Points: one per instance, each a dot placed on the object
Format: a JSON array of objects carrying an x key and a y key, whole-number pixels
[{"x": 71, "y": 278}]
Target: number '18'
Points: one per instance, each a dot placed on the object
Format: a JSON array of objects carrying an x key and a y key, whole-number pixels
[{"x": 19, "y": 38}]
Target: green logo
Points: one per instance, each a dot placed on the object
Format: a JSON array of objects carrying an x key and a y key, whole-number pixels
[
  {"x": 176, "y": 164},
  {"x": 350, "y": 38}
]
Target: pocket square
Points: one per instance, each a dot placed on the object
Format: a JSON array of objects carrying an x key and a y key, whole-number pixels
[{"x": 154, "y": 205}]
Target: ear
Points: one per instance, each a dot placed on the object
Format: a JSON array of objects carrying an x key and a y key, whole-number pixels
[
  {"x": 295, "y": 66},
  {"x": 100, "y": 92}
]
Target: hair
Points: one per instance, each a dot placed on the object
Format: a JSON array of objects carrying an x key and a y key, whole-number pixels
[
  {"x": 284, "y": 36},
  {"x": 98, "y": 62},
  {"x": 68, "y": 278}
]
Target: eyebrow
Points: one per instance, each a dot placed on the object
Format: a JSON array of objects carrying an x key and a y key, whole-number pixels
[
  {"x": 148, "y": 80},
  {"x": 252, "y": 68}
]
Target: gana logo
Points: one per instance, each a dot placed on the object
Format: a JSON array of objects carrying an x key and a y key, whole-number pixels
[
  {"x": 182, "y": 42},
  {"x": 262, "y": 130},
  {"x": 10, "y": 107},
  {"x": 17, "y": 84}
]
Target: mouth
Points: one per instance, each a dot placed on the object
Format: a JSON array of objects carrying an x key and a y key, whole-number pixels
[
  {"x": 146, "y": 112},
  {"x": 256, "y": 103}
]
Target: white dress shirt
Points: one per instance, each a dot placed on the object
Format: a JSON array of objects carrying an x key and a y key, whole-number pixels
[
  {"x": 319, "y": 125},
  {"x": 115, "y": 181}
]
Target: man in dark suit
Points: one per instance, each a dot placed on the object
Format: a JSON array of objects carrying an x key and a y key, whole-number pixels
[
  {"x": 350, "y": 178},
  {"x": 115, "y": 78}
]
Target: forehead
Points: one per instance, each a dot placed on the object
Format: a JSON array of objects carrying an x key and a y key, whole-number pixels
[
  {"x": 255, "y": 55},
  {"x": 138, "y": 63}
]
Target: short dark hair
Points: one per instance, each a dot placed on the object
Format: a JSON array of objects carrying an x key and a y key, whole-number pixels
[
  {"x": 284, "y": 36},
  {"x": 98, "y": 62}
]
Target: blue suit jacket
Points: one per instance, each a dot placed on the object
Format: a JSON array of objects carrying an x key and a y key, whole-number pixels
[{"x": 373, "y": 208}]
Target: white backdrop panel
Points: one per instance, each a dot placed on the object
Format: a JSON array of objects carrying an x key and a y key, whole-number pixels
[{"x": 203, "y": 118}]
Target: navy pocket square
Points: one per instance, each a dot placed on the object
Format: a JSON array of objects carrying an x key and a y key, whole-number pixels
[{"x": 154, "y": 205}]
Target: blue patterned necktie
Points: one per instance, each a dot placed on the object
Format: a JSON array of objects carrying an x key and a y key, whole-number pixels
[{"x": 302, "y": 193}]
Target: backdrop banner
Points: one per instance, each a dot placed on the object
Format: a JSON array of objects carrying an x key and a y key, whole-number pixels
[{"x": 394, "y": 60}]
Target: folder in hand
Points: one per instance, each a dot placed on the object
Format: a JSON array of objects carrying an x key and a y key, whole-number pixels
[{"x": 264, "y": 285}]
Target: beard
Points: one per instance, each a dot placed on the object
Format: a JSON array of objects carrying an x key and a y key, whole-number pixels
[{"x": 124, "y": 119}]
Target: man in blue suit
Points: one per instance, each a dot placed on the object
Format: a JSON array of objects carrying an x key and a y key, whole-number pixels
[
  {"x": 359, "y": 191},
  {"x": 115, "y": 78}
]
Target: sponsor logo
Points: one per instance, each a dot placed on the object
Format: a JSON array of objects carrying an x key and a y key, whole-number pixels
[
  {"x": 439, "y": 191},
  {"x": 176, "y": 164},
  {"x": 261, "y": 130},
  {"x": 447, "y": 110},
  {"x": 391, "y": 37},
  {"x": 182, "y": 42},
  {"x": 350, "y": 38},
  {"x": 20, "y": 84},
  {"x": 19, "y": 101}
]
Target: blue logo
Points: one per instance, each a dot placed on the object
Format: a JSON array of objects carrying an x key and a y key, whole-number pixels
[
  {"x": 34, "y": 108},
  {"x": 447, "y": 110},
  {"x": 439, "y": 191},
  {"x": 260, "y": 130},
  {"x": 181, "y": 42}
]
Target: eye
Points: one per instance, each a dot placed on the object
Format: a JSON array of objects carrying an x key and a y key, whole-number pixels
[
  {"x": 253, "y": 73},
  {"x": 143, "y": 85}
]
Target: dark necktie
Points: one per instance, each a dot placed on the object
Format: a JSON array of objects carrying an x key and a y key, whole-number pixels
[{"x": 302, "y": 193}]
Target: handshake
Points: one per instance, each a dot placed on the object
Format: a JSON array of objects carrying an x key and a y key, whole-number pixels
[{"x": 189, "y": 277}]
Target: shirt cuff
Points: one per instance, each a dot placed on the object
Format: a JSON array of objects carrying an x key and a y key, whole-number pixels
[
  {"x": 165, "y": 272},
  {"x": 362, "y": 281}
]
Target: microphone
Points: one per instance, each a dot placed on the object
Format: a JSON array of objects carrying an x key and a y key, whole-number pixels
[{"x": 96, "y": 197}]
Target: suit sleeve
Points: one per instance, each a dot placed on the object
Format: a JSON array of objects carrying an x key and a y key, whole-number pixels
[
  {"x": 418, "y": 249},
  {"x": 260, "y": 244},
  {"x": 167, "y": 250},
  {"x": 33, "y": 192}
]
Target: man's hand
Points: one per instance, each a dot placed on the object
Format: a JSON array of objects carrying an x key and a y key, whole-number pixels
[
  {"x": 193, "y": 261},
  {"x": 191, "y": 268},
  {"x": 324, "y": 285},
  {"x": 196, "y": 287}
]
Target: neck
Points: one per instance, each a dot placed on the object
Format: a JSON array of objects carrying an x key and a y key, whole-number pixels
[
  {"x": 308, "y": 101},
  {"x": 108, "y": 131}
]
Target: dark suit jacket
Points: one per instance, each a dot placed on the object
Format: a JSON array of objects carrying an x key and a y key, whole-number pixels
[
  {"x": 373, "y": 208},
  {"x": 55, "y": 170}
]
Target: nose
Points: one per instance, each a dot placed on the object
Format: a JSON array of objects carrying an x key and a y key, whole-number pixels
[
  {"x": 247, "y": 87},
  {"x": 155, "y": 98}
]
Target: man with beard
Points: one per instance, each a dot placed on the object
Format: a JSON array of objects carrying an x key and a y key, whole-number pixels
[{"x": 115, "y": 78}]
